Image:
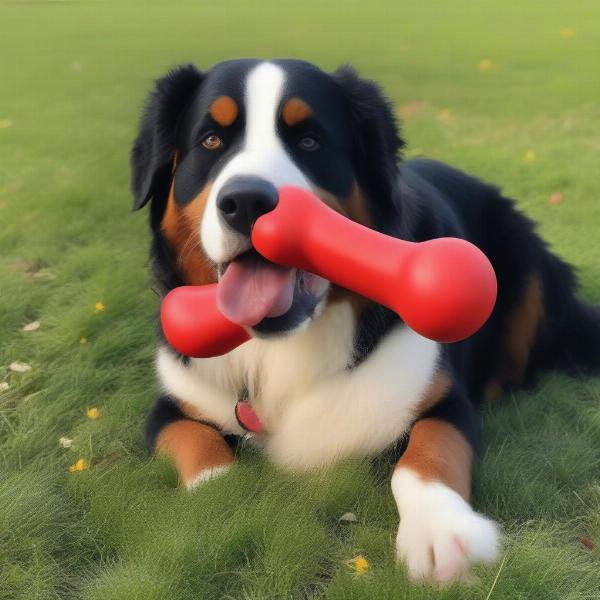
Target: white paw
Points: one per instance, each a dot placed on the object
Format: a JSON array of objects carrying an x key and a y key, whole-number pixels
[
  {"x": 440, "y": 535},
  {"x": 206, "y": 475}
]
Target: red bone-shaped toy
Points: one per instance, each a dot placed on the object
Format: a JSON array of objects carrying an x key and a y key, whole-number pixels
[{"x": 444, "y": 289}]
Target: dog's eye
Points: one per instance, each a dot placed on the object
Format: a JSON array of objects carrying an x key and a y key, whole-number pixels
[
  {"x": 308, "y": 143},
  {"x": 212, "y": 142}
]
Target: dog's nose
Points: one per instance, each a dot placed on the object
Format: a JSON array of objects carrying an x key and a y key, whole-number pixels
[{"x": 243, "y": 199}]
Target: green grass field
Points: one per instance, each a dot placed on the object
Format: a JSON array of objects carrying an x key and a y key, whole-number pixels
[{"x": 73, "y": 78}]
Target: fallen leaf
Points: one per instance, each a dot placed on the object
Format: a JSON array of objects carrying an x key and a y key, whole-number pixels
[
  {"x": 567, "y": 33},
  {"x": 83, "y": 340},
  {"x": 41, "y": 275},
  {"x": 80, "y": 465},
  {"x": 33, "y": 326},
  {"x": 99, "y": 307},
  {"x": 93, "y": 413},
  {"x": 4, "y": 386},
  {"x": 19, "y": 367},
  {"x": 586, "y": 542},
  {"x": 411, "y": 109},
  {"x": 348, "y": 518},
  {"x": 65, "y": 442},
  {"x": 555, "y": 199},
  {"x": 485, "y": 65},
  {"x": 530, "y": 156}
]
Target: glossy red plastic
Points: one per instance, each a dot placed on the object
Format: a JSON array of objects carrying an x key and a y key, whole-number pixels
[
  {"x": 445, "y": 289},
  {"x": 193, "y": 324}
]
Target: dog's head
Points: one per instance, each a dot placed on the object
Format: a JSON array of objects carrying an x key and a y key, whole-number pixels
[{"x": 212, "y": 151}]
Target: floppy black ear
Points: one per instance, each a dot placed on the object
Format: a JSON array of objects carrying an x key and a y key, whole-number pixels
[
  {"x": 376, "y": 140},
  {"x": 154, "y": 148}
]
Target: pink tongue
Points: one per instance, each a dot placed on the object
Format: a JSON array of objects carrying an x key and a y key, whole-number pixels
[{"x": 252, "y": 289}]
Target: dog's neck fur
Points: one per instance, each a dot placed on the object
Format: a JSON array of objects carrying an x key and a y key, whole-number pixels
[{"x": 313, "y": 408}]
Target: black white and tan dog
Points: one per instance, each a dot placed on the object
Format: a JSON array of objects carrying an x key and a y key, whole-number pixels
[{"x": 330, "y": 374}]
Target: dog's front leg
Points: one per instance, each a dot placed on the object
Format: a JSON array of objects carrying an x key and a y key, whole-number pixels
[
  {"x": 197, "y": 449},
  {"x": 440, "y": 535}
]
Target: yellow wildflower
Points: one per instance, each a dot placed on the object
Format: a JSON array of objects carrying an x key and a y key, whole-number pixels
[
  {"x": 93, "y": 413},
  {"x": 361, "y": 565},
  {"x": 80, "y": 465},
  {"x": 99, "y": 307},
  {"x": 530, "y": 156},
  {"x": 485, "y": 65},
  {"x": 445, "y": 115},
  {"x": 567, "y": 33}
]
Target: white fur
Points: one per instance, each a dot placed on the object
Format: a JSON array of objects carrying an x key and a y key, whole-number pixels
[
  {"x": 313, "y": 409},
  {"x": 206, "y": 475},
  {"x": 440, "y": 535},
  {"x": 262, "y": 155}
]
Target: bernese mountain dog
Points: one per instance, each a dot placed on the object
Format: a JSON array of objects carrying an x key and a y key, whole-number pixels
[{"x": 328, "y": 373}]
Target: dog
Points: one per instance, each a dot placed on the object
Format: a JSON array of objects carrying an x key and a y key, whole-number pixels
[{"x": 327, "y": 373}]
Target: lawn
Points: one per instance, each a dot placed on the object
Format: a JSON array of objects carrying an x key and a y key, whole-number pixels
[{"x": 507, "y": 90}]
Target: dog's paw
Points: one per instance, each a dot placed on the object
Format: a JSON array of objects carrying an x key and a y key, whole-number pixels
[
  {"x": 440, "y": 536},
  {"x": 205, "y": 475}
]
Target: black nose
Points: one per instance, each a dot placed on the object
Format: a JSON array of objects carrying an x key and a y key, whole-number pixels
[{"x": 243, "y": 199}]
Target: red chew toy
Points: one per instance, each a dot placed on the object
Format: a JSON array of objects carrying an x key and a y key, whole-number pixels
[
  {"x": 444, "y": 289},
  {"x": 193, "y": 324}
]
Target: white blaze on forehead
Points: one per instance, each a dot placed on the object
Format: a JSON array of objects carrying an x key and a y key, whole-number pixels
[
  {"x": 262, "y": 155},
  {"x": 264, "y": 87}
]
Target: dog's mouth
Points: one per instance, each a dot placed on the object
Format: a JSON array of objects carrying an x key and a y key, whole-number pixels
[{"x": 269, "y": 298}]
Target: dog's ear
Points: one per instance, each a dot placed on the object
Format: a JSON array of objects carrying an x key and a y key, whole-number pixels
[
  {"x": 153, "y": 151},
  {"x": 376, "y": 140}
]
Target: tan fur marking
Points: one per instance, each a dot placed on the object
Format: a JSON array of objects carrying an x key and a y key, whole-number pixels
[
  {"x": 357, "y": 207},
  {"x": 520, "y": 330},
  {"x": 523, "y": 325},
  {"x": 353, "y": 207},
  {"x": 493, "y": 390},
  {"x": 437, "y": 389},
  {"x": 330, "y": 200},
  {"x": 181, "y": 228},
  {"x": 193, "y": 447},
  {"x": 295, "y": 111},
  {"x": 224, "y": 110},
  {"x": 437, "y": 451}
]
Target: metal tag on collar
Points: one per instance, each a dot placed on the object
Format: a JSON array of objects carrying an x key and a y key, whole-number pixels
[{"x": 246, "y": 416}]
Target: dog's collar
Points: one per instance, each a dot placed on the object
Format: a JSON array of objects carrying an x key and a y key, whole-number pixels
[{"x": 245, "y": 415}]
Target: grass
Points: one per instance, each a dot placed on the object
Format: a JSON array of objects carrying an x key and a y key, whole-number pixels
[{"x": 74, "y": 75}]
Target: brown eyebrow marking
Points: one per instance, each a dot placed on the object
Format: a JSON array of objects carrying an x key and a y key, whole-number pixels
[
  {"x": 224, "y": 110},
  {"x": 295, "y": 111}
]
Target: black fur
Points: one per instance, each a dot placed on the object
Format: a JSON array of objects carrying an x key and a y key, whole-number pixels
[
  {"x": 375, "y": 133},
  {"x": 164, "y": 412},
  {"x": 154, "y": 149},
  {"x": 419, "y": 200}
]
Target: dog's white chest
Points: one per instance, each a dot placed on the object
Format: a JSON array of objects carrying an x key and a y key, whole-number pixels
[{"x": 313, "y": 408}]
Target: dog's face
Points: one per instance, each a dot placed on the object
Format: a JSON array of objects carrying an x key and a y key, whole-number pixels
[{"x": 215, "y": 147}]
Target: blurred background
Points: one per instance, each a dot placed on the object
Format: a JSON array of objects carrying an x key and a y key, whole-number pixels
[{"x": 509, "y": 91}]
